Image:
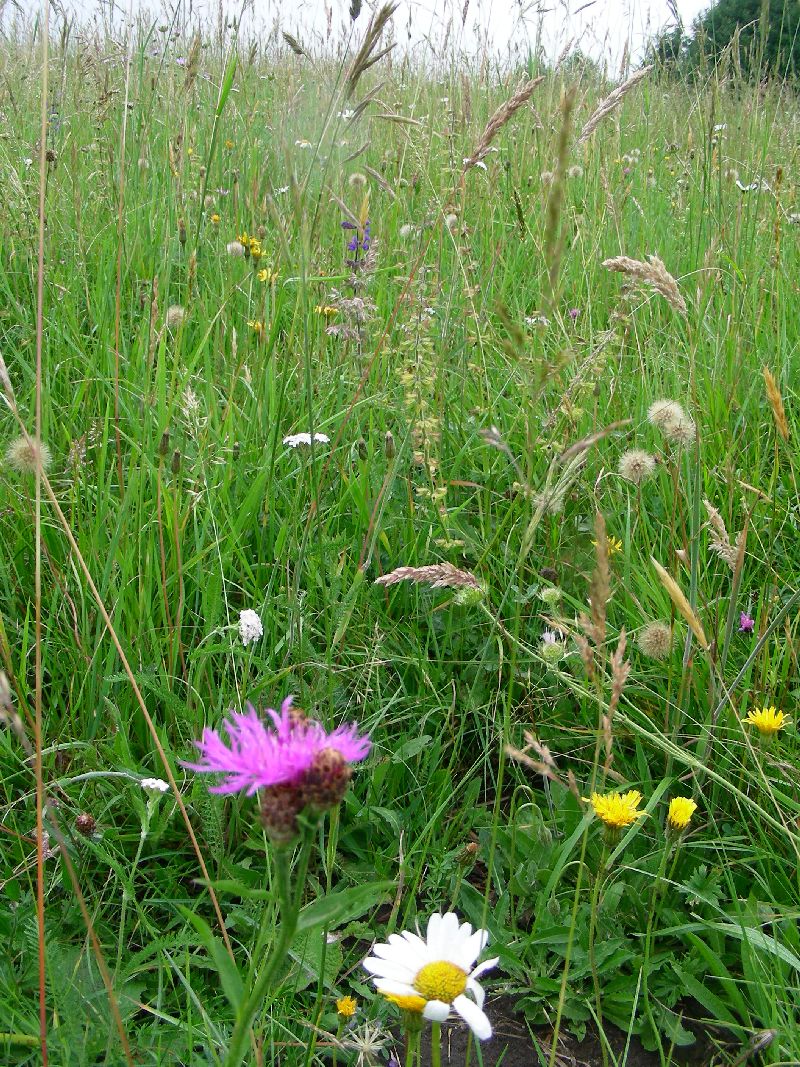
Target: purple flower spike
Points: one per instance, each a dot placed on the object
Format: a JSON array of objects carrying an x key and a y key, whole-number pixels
[
  {"x": 258, "y": 757},
  {"x": 574, "y": 312},
  {"x": 746, "y": 623},
  {"x": 347, "y": 225}
]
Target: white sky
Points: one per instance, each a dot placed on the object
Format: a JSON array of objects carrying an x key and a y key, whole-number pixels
[{"x": 600, "y": 28}]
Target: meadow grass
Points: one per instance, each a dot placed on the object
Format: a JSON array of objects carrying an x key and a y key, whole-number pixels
[{"x": 482, "y": 379}]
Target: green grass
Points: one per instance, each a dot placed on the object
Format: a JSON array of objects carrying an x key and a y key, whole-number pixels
[{"x": 221, "y": 516}]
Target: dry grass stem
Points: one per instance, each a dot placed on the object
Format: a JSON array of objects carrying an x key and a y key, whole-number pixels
[
  {"x": 366, "y": 56},
  {"x": 601, "y": 583},
  {"x": 544, "y": 765},
  {"x": 295, "y": 45},
  {"x": 437, "y": 576},
  {"x": 612, "y": 101},
  {"x": 652, "y": 273},
  {"x": 620, "y": 669},
  {"x": 498, "y": 120},
  {"x": 5, "y": 381},
  {"x": 720, "y": 542},
  {"x": 681, "y": 603},
  {"x": 776, "y": 403}
]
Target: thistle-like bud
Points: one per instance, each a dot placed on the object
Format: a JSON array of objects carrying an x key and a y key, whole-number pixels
[
  {"x": 163, "y": 444},
  {"x": 389, "y": 445},
  {"x": 326, "y": 780},
  {"x": 85, "y": 824},
  {"x": 280, "y": 806},
  {"x": 176, "y": 461},
  {"x": 361, "y": 445},
  {"x": 182, "y": 231}
]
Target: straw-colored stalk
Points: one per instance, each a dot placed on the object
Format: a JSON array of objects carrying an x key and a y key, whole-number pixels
[
  {"x": 652, "y": 273},
  {"x": 498, "y": 120},
  {"x": 366, "y": 56},
  {"x": 437, "y": 576},
  {"x": 776, "y": 403},
  {"x": 678, "y": 598},
  {"x": 611, "y": 102}
]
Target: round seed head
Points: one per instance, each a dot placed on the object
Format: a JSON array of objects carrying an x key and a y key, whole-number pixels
[{"x": 636, "y": 466}]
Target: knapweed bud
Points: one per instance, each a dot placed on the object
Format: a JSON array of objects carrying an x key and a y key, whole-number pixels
[
  {"x": 163, "y": 444},
  {"x": 326, "y": 780},
  {"x": 182, "y": 231},
  {"x": 280, "y": 806},
  {"x": 85, "y": 824},
  {"x": 361, "y": 445},
  {"x": 176, "y": 461}
]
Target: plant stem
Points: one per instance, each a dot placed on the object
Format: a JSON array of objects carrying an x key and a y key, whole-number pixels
[
  {"x": 289, "y": 909},
  {"x": 436, "y": 1045},
  {"x": 648, "y": 943}
]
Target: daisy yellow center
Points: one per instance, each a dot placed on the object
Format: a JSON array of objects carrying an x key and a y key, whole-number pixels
[
  {"x": 440, "y": 981},
  {"x": 415, "y": 1004}
]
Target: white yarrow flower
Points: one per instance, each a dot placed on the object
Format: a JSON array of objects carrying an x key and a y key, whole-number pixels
[
  {"x": 154, "y": 787},
  {"x": 429, "y": 976},
  {"x": 295, "y": 439},
  {"x": 250, "y": 627}
]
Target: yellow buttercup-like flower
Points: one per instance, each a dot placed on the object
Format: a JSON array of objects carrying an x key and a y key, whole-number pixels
[
  {"x": 767, "y": 721},
  {"x": 617, "y": 810},
  {"x": 267, "y": 275},
  {"x": 346, "y": 1007},
  {"x": 681, "y": 810}
]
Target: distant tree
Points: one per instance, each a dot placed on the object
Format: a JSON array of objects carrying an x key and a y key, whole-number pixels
[{"x": 764, "y": 36}]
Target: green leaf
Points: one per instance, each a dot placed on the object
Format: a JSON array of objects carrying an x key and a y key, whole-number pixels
[
  {"x": 337, "y": 908},
  {"x": 229, "y": 976}
]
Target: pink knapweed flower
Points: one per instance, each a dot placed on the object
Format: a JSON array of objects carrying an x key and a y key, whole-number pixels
[
  {"x": 258, "y": 757},
  {"x": 746, "y": 623}
]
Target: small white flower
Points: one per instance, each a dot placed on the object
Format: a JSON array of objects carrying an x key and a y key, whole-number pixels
[
  {"x": 432, "y": 974},
  {"x": 283, "y": 189},
  {"x": 479, "y": 163},
  {"x": 250, "y": 627},
  {"x": 346, "y": 115},
  {"x": 720, "y": 127},
  {"x": 154, "y": 787},
  {"x": 302, "y": 144},
  {"x": 295, "y": 439},
  {"x": 28, "y": 161}
]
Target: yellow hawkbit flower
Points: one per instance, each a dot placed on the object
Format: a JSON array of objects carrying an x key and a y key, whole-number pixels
[
  {"x": 613, "y": 545},
  {"x": 346, "y": 1007},
  {"x": 267, "y": 275},
  {"x": 681, "y": 810},
  {"x": 407, "y": 1003},
  {"x": 617, "y": 810},
  {"x": 255, "y": 248},
  {"x": 229, "y": 145},
  {"x": 257, "y": 326},
  {"x": 326, "y": 309},
  {"x": 767, "y": 721},
  {"x": 215, "y": 219}
]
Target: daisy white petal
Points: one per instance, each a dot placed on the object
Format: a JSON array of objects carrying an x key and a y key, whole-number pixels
[
  {"x": 397, "y": 989},
  {"x": 485, "y": 966},
  {"x": 474, "y": 1017},
  {"x": 388, "y": 969},
  {"x": 436, "y": 1011},
  {"x": 476, "y": 990},
  {"x": 472, "y": 947}
]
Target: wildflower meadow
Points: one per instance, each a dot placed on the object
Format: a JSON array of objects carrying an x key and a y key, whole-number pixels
[{"x": 400, "y": 573}]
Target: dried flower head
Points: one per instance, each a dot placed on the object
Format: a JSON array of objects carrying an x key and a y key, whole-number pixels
[
  {"x": 655, "y": 640},
  {"x": 26, "y": 455},
  {"x": 235, "y": 249},
  {"x": 682, "y": 433},
  {"x": 664, "y": 414},
  {"x": 175, "y": 316},
  {"x": 636, "y": 466},
  {"x": 357, "y": 180},
  {"x": 652, "y": 273}
]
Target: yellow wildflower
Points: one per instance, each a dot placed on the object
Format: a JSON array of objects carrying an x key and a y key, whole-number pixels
[
  {"x": 613, "y": 545},
  {"x": 407, "y": 1003},
  {"x": 767, "y": 721},
  {"x": 267, "y": 275},
  {"x": 325, "y": 309},
  {"x": 257, "y": 326},
  {"x": 215, "y": 219},
  {"x": 681, "y": 810},
  {"x": 617, "y": 810},
  {"x": 346, "y": 1007},
  {"x": 229, "y": 145}
]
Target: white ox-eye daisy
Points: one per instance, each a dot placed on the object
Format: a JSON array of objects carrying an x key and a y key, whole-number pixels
[{"x": 429, "y": 976}]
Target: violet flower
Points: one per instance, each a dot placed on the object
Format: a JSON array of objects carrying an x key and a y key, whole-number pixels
[
  {"x": 258, "y": 757},
  {"x": 746, "y": 623}
]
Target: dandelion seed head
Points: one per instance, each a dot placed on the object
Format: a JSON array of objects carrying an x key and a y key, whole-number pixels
[
  {"x": 175, "y": 315},
  {"x": 665, "y": 413},
  {"x": 655, "y": 640},
  {"x": 26, "y": 456},
  {"x": 636, "y": 466}
]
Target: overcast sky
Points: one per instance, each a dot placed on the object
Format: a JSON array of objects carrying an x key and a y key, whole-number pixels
[{"x": 601, "y": 28}]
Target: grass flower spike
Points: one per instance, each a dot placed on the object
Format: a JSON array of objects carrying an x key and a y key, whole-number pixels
[
  {"x": 681, "y": 810},
  {"x": 431, "y": 975},
  {"x": 767, "y": 721}
]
